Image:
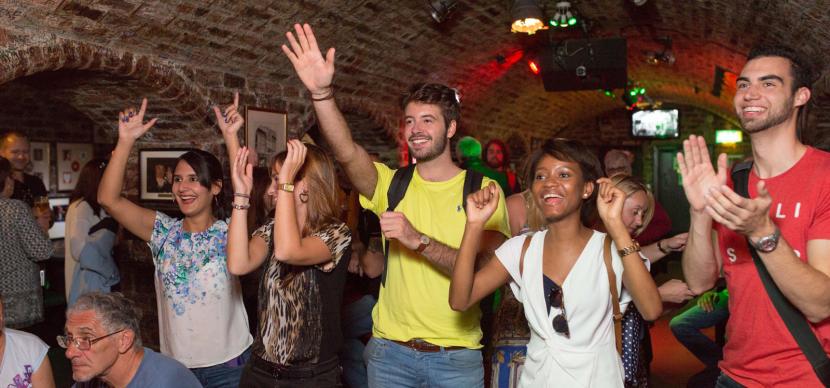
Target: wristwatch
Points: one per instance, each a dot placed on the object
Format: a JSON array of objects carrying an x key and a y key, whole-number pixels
[
  {"x": 286, "y": 187},
  {"x": 424, "y": 239},
  {"x": 767, "y": 244}
]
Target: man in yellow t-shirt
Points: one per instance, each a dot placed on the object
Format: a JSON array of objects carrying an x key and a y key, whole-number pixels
[{"x": 418, "y": 339}]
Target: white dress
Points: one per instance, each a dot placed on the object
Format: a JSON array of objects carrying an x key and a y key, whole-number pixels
[{"x": 589, "y": 357}]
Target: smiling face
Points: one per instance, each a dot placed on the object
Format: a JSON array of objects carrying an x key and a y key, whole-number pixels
[
  {"x": 559, "y": 188},
  {"x": 764, "y": 96},
  {"x": 100, "y": 357},
  {"x": 193, "y": 198},
  {"x": 425, "y": 131},
  {"x": 16, "y": 150}
]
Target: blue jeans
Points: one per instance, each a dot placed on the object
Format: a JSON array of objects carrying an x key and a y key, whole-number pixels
[
  {"x": 725, "y": 381},
  {"x": 357, "y": 322},
  {"x": 224, "y": 375},
  {"x": 390, "y": 365},
  {"x": 687, "y": 328}
]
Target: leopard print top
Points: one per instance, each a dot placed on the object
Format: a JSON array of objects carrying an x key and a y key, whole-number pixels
[{"x": 299, "y": 306}]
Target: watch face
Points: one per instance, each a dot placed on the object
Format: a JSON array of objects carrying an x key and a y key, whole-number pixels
[
  {"x": 767, "y": 244},
  {"x": 424, "y": 239}
]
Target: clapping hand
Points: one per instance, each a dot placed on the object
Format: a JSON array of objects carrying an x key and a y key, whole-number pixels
[
  {"x": 482, "y": 204},
  {"x": 242, "y": 175},
  {"x": 294, "y": 160},
  {"x": 229, "y": 119},
  {"x": 314, "y": 71},
  {"x": 131, "y": 125},
  {"x": 698, "y": 174}
]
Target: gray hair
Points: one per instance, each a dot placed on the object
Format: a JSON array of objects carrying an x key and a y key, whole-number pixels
[{"x": 114, "y": 309}]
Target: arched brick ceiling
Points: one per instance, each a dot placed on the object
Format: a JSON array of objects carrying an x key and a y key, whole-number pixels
[{"x": 385, "y": 45}]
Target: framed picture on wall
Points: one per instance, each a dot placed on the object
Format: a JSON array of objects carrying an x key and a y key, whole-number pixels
[
  {"x": 156, "y": 173},
  {"x": 71, "y": 157},
  {"x": 41, "y": 160},
  {"x": 58, "y": 205},
  {"x": 265, "y": 132}
]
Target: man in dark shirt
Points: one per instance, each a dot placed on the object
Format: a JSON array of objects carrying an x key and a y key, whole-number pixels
[{"x": 15, "y": 147}]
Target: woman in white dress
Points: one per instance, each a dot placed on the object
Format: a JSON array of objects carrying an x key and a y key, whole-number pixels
[{"x": 561, "y": 279}]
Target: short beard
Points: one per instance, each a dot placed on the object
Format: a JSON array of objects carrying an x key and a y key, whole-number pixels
[
  {"x": 776, "y": 117},
  {"x": 440, "y": 144}
]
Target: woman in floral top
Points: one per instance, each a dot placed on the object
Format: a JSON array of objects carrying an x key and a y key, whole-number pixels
[
  {"x": 202, "y": 321},
  {"x": 305, "y": 269}
]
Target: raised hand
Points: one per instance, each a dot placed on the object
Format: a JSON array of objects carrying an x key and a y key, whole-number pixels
[
  {"x": 242, "y": 175},
  {"x": 746, "y": 216},
  {"x": 294, "y": 160},
  {"x": 482, "y": 204},
  {"x": 697, "y": 171},
  {"x": 610, "y": 203},
  {"x": 229, "y": 119},
  {"x": 315, "y": 71},
  {"x": 131, "y": 125}
]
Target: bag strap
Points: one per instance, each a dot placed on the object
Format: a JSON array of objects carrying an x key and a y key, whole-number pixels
[
  {"x": 396, "y": 192},
  {"x": 615, "y": 299},
  {"x": 472, "y": 183},
  {"x": 794, "y": 320},
  {"x": 524, "y": 249}
]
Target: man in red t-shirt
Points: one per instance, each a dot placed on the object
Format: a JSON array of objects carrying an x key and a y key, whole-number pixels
[{"x": 787, "y": 220}]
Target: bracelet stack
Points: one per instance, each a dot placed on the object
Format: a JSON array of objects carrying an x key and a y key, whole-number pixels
[
  {"x": 238, "y": 206},
  {"x": 328, "y": 96}
]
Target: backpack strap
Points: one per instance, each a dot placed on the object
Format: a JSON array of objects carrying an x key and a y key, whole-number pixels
[
  {"x": 396, "y": 192},
  {"x": 472, "y": 183},
  {"x": 615, "y": 299},
  {"x": 524, "y": 250},
  {"x": 793, "y": 318}
]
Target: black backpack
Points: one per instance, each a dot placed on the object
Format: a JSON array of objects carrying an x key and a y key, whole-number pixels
[{"x": 397, "y": 190}]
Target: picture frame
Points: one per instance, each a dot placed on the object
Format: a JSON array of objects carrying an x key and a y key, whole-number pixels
[
  {"x": 155, "y": 175},
  {"x": 58, "y": 206},
  {"x": 41, "y": 161},
  {"x": 71, "y": 157},
  {"x": 265, "y": 133}
]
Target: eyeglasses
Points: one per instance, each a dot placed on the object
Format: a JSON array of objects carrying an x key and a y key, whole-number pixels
[
  {"x": 81, "y": 343},
  {"x": 560, "y": 322}
]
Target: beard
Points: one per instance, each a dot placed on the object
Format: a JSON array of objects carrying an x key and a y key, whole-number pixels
[
  {"x": 775, "y": 117},
  {"x": 426, "y": 155}
]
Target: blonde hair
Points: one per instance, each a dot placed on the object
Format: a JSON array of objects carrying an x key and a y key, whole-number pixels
[{"x": 630, "y": 185}]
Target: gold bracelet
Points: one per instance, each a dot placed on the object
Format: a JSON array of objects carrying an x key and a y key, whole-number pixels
[{"x": 634, "y": 247}]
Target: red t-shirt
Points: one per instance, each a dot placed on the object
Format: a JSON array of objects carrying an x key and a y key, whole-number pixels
[{"x": 759, "y": 350}]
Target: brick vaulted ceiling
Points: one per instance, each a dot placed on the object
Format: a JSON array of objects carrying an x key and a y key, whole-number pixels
[{"x": 203, "y": 49}]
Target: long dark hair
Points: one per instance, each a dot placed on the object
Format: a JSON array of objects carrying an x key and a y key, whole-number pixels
[
  {"x": 88, "y": 181},
  {"x": 259, "y": 213},
  {"x": 571, "y": 151},
  {"x": 209, "y": 171}
]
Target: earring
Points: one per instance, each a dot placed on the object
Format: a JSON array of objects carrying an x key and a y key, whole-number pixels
[{"x": 304, "y": 196}]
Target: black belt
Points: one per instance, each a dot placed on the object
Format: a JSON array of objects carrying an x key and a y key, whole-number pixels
[{"x": 293, "y": 372}]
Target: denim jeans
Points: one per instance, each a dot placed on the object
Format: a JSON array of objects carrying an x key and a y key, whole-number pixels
[
  {"x": 687, "y": 328},
  {"x": 725, "y": 381},
  {"x": 357, "y": 322},
  {"x": 391, "y": 365},
  {"x": 224, "y": 375}
]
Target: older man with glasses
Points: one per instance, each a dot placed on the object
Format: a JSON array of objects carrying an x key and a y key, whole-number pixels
[{"x": 103, "y": 342}]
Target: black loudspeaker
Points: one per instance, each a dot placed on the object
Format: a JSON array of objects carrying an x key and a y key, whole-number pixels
[{"x": 585, "y": 64}]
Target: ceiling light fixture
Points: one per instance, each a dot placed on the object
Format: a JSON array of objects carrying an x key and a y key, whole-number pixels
[
  {"x": 440, "y": 10},
  {"x": 563, "y": 17},
  {"x": 527, "y": 17}
]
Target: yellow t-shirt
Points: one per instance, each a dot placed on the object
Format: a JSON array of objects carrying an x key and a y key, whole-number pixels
[{"x": 414, "y": 302}]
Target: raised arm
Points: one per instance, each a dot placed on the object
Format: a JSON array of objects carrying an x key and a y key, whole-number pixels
[
  {"x": 316, "y": 73},
  {"x": 289, "y": 245},
  {"x": 244, "y": 256},
  {"x": 230, "y": 121},
  {"x": 136, "y": 219},
  {"x": 636, "y": 278},
  {"x": 701, "y": 266},
  {"x": 468, "y": 287}
]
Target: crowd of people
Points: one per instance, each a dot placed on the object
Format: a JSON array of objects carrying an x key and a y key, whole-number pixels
[{"x": 560, "y": 239}]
